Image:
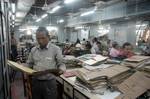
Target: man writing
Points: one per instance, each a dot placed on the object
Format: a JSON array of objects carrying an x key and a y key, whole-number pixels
[{"x": 46, "y": 58}]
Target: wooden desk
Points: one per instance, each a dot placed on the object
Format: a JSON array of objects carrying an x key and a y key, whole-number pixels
[
  {"x": 73, "y": 91},
  {"x": 70, "y": 89}
]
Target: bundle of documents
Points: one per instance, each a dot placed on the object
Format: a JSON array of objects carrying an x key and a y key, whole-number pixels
[
  {"x": 71, "y": 61},
  {"x": 134, "y": 86},
  {"x": 91, "y": 79},
  {"x": 101, "y": 66},
  {"x": 100, "y": 78},
  {"x": 145, "y": 69},
  {"x": 92, "y": 59},
  {"x": 135, "y": 61}
]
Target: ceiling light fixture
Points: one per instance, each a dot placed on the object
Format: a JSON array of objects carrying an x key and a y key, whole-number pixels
[
  {"x": 13, "y": 22},
  {"x": 13, "y": 17},
  {"x": 13, "y": 7},
  {"x": 87, "y": 13},
  {"x": 29, "y": 32},
  {"x": 38, "y": 20},
  {"x": 79, "y": 27},
  {"x": 20, "y": 14},
  {"x": 55, "y": 9},
  {"x": 13, "y": 25},
  {"x": 51, "y": 28},
  {"x": 61, "y": 21},
  {"x": 43, "y": 16},
  {"x": 68, "y": 1}
]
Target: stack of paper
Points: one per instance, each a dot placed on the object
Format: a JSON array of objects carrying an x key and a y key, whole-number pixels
[
  {"x": 102, "y": 66},
  {"x": 145, "y": 69},
  {"x": 135, "y": 61},
  {"x": 100, "y": 78},
  {"x": 134, "y": 86},
  {"x": 71, "y": 61},
  {"x": 92, "y": 59}
]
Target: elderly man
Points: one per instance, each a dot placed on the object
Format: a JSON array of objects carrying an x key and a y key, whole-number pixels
[{"x": 46, "y": 58}]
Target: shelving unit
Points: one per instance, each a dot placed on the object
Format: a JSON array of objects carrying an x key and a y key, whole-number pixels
[{"x": 4, "y": 51}]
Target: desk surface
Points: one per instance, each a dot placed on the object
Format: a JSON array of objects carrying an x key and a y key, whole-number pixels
[{"x": 107, "y": 94}]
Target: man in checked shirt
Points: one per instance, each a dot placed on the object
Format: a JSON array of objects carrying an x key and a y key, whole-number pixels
[{"x": 47, "y": 59}]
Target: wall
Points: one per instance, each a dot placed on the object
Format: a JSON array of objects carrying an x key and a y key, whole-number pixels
[{"x": 123, "y": 32}]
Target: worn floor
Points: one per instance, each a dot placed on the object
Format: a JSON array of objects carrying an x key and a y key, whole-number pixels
[{"x": 17, "y": 90}]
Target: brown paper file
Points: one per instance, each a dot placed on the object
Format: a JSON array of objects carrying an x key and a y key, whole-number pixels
[
  {"x": 137, "y": 58},
  {"x": 108, "y": 72},
  {"x": 135, "y": 85},
  {"x": 21, "y": 67}
]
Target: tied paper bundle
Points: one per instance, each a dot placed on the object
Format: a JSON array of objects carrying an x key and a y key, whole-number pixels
[
  {"x": 101, "y": 78},
  {"x": 135, "y": 61},
  {"x": 134, "y": 86}
]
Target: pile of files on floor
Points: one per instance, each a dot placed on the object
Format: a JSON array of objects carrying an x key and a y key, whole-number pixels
[
  {"x": 71, "y": 61},
  {"x": 92, "y": 59},
  {"x": 134, "y": 86},
  {"x": 94, "y": 80},
  {"x": 136, "y": 61}
]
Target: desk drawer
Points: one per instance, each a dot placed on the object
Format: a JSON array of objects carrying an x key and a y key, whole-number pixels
[
  {"x": 68, "y": 89},
  {"x": 78, "y": 95},
  {"x": 59, "y": 79}
]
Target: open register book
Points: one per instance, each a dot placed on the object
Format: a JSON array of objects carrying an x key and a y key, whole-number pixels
[
  {"x": 20, "y": 67},
  {"x": 30, "y": 71}
]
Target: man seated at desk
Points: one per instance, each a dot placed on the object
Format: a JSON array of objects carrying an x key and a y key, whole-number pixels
[{"x": 45, "y": 57}]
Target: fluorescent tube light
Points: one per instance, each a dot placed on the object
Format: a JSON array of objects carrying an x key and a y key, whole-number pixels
[
  {"x": 38, "y": 20},
  {"x": 20, "y": 14},
  {"x": 68, "y": 1},
  {"x": 13, "y": 7},
  {"x": 43, "y": 16},
  {"x": 141, "y": 25},
  {"x": 55, "y": 9},
  {"x": 29, "y": 32},
  {"x": 79, "y": 27},
  {"x": 87, "y": 13},
  {"x": 51, "y": 28},
  {"x": 13, "y": 22},
  {"x": 13, "y": 17},
  {"x": 61, "y": 21}
]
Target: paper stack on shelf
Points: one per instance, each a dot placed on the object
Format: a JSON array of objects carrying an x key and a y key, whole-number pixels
[
  {"x": 135, "y": 61},
  {"x": 92, "y": 59},
  {"x": 134, "y": 86},
  {"x": 100, "y": 78}
]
